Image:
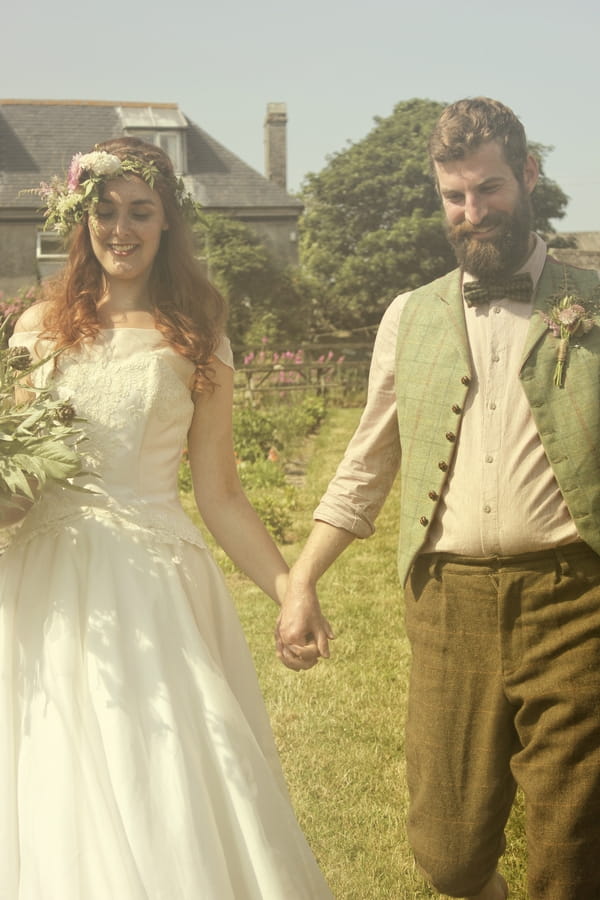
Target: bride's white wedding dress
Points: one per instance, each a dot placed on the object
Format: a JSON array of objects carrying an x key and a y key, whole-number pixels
[{"x": 136, "y": 757}]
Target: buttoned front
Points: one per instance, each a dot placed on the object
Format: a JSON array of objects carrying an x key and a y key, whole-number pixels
[{"x": 497, "y": 464}]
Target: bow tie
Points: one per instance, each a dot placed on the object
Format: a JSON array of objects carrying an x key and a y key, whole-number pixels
[{"x": 519, "y": 287}]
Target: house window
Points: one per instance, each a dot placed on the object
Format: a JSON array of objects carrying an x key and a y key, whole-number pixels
[
  {"x": 50, "y": 253},
  {"x": 163, "y": 125},
  {"x": 50, "y": 246},
  {"x": 169, "y": 141}
]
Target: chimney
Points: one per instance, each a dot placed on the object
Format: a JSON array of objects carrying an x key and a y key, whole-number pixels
[{"x": 276, "y": 144}]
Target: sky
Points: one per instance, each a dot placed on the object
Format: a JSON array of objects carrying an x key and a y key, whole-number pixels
[{"x": 337, "y": 64}]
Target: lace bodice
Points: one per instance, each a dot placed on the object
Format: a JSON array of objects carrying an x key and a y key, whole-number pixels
[{"x": 133, "y": 390}]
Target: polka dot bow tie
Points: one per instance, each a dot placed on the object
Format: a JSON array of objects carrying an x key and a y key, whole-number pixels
[{"x": 519, "y": 287}]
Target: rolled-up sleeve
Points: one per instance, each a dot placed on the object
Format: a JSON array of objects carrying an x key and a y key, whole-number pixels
[{"x": 366, "y": 473}]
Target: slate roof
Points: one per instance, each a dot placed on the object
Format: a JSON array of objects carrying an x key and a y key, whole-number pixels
[{"x": 38, "y": 139}]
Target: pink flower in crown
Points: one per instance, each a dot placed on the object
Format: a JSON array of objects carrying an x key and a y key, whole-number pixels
[{"x": 74, "y": 173}]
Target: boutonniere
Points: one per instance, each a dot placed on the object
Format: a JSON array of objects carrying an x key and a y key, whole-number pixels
[{"x": 569, "y": 316}]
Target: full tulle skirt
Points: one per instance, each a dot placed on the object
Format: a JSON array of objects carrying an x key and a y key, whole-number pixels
[{"x": 136, "y": 757}]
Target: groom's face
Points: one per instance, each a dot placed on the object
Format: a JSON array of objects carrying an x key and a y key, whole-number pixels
[{"x": 488, "y": 210}]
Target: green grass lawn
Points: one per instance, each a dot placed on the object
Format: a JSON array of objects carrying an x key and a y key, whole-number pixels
[{"x": 339, "y": 726}]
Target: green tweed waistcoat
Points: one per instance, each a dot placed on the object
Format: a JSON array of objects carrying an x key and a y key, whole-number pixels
[{"x": 433, "y": 374}]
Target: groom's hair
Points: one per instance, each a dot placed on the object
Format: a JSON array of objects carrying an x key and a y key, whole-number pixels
[{"x": 465, "y": 125}]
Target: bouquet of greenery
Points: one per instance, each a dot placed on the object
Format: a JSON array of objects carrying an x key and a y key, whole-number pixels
[{"x": 39, "y": 435}]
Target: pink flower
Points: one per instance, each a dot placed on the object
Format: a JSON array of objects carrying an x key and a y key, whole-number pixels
[
  {"x": 571, "y": 314},
  {"x": 74, "y": 173}
]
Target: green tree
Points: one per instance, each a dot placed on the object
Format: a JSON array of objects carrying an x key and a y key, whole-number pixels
[
  {"x": 373, "y": 226},
  {"x": 265, "y": 300},
  {"x": 549, "y": 200}
]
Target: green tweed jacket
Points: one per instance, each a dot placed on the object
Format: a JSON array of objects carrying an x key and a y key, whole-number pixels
[{"x": 433, "y": 374}]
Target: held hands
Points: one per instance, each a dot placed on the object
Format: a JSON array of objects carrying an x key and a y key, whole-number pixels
[{"x": 302, "y": 633}]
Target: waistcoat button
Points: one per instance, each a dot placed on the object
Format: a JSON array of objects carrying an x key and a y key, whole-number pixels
[
  {"x": 456, "y": 408},
  {"x": 424, "y": 520},
  {"x": 433, "y": 495},
  {"x": 465, "y": 380},
  {"x": 450, "y": 436},
  {"x": 443, "y": 465}
]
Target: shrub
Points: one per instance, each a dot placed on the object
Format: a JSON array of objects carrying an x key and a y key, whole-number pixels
[
  {"x": 12, "y": 307},
  {"x": 255, "y": 433},
  {"x": 273, "y": 513},
  {"x": 262, "y": 438}
]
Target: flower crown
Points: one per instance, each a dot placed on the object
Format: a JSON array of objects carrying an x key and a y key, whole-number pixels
[{"x": 67, "y": 201}]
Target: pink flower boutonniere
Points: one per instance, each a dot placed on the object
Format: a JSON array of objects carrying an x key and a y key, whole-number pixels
[{"x": 568, "y": 317}]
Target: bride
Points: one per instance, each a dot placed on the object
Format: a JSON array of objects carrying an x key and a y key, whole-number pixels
[{"x": 136, "y": 758}]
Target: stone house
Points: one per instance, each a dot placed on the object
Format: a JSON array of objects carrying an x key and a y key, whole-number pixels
[
  {"x": 39, "y": 137},
  {"x": 584, "y": 250}
]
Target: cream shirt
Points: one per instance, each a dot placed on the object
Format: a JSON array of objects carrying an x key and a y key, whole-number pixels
[{"x": 500, "y": 497}]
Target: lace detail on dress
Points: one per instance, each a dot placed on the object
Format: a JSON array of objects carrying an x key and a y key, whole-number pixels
[{"x": 133, "y": 392}]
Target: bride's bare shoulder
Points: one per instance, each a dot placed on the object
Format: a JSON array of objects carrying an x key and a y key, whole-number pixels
[{"x": 33, "y": 318}]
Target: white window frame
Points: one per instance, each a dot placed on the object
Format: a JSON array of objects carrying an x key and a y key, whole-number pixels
[
  {"x": 169, "y": 140},
  {"x": 50, "y": 236}
]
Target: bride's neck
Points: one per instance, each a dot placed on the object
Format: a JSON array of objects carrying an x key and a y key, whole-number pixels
[{"x": 120, "y": 297}]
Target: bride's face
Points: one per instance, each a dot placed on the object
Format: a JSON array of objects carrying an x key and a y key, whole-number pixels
[{"x": 126, "y": 228}]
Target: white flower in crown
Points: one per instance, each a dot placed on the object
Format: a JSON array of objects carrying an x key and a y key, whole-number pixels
[
  {"x": 68, "y": 201},
  {"x": 99, "y": 163}
]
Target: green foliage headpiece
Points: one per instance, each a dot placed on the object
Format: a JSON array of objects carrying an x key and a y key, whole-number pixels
[{"x": 67, "y": 201}]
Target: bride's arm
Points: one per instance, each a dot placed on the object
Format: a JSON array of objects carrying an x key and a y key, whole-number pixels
[{"x": 219, "y": 494}]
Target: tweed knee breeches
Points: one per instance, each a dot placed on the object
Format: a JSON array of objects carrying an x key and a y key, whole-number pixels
[{"x": 505, "y": 690}]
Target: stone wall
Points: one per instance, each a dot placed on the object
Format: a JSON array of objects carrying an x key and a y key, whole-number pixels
[{"x": 17, "y": 254}]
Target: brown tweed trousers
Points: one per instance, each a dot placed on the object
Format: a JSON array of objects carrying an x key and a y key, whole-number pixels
[{"x": 505, "y": 689}]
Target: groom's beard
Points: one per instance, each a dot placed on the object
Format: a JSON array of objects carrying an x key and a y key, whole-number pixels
[{"x": 499, "y": 256}]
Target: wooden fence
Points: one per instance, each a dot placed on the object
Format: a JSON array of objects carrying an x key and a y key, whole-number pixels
[{"x": 339, "y": 374}]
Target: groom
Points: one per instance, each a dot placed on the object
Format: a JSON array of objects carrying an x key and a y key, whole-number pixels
[{"x": 496, "y": 437}]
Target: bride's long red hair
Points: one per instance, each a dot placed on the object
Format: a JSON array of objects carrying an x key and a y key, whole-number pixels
[{"x": 188, "y": 310}]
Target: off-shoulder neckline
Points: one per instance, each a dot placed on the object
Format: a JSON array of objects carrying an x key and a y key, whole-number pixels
[{"x": 103, "y": 330}]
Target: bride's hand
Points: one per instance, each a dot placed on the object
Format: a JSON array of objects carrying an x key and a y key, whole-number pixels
[{"x": 302, "y": 633}]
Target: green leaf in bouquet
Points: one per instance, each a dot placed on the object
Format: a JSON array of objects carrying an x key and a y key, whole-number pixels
[
  {"x": 39, "y": 433},
  {"x": 16, "y": 482},
  {"x": 33, "y": 419},
  {"x": 31, "y": 465},
  {"x": 59, "y": 460}
]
